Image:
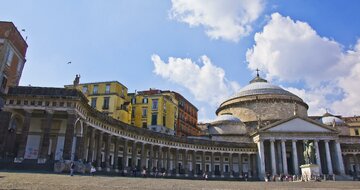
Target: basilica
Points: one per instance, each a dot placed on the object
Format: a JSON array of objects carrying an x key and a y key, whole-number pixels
[{"x": 260, "y": 130}]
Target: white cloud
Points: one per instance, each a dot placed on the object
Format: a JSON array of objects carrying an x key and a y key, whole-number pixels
[
  {"x": 227, "y": 19},
  {"x": 207, "y": 82},
  {"x": 289, "y": 50}
]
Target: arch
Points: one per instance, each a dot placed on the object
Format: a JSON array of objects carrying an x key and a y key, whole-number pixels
[{"x": 78, "y": 128}]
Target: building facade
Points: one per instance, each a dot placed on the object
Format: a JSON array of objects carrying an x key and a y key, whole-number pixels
[
  {"x": 12, "y": 56},
  {"x": 187, "y": 117},
  {"x": 110, "y": 98},
  {"x": 246, "y": 138}
]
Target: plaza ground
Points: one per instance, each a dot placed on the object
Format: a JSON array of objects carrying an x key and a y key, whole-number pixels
[{"x": 12, "y": 180}]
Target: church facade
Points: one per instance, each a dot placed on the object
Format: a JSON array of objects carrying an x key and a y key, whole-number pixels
[{"x": 260, "y": 130}]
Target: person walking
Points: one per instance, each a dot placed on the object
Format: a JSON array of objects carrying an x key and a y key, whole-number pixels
[
  {"x": 72, "y": 168},
  {"x": 92, "y": 170}
]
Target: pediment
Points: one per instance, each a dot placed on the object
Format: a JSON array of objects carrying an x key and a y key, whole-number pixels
[{"x": 298, "y": 125}]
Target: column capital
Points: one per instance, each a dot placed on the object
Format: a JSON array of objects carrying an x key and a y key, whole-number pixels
[
  {"x": 272, "y": 140},
  {"x": 316, "y": 140},
  {"x": 326, "y": 140},
  {"x": 48, "y": 111},
  {"x": 294, "y": 140},
  {"x": 283, "y": 140}
]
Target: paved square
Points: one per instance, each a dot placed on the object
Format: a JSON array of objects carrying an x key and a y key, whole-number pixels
[{"x": 11, "y": 180}]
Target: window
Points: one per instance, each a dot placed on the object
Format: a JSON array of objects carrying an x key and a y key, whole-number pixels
[
  {"x": 93, "y": 102},
  {"x": 164, "y": 120},
  {"x": 106, "y": 102},
  {"x": 19, "y": 66},
  {"x": 154, "y": 119},
  {"x": 3, "y": 83},
  {"x": 9, "y": 56},
  {"x": 133, "y": 100},
  {"x": 144, "y": 112},
  {"x": 357, "y": 132},
  {"x": 155, "y": 104},
  {"x": 144, "y": 125},
  {"x": 107, "y": 88},
  {"x": 84, "y": 89},
  {"x": 95, "y": 90},
  {"x": 133, "y": 112},
  {"x": 145, "y": 101}
]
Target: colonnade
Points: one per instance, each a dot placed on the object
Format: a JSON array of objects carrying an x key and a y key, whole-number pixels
[{"x": 277, "y": 155}]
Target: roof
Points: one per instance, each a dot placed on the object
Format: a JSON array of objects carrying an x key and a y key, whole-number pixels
[{"x": 228, "y": 118}]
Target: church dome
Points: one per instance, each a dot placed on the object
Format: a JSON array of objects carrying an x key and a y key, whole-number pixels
[
  {"x": 329, "y": 119},
  {"x": 225, "y": 118},
  {"x": 262, "y": 100}
]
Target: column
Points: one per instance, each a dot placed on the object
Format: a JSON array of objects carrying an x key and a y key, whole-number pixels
[
  {"x": 85, "y": 145},
  {"x": 328, "y": 158},
  {"x": 273, "y": 160},
  {"x": 79, "y": 148},
  {"x": 143, "y": 156},
  {"x": 240, "y": 165},
  {"x": 339, "y": 158},
  {"x": 107, "y": 153},
  {"x": 44, "y": 148},
  {"x": 254, "y": 165},
  {"x": 279, "y": 157},
  {"x": 356, "y": 162},
  {"x": 186, "y": 166},
  {"x": 91, "y": 145},
  {"x": 151, "y": 155},
  {"x": 194, "y": 163},
  {"x": 221, "y": 164},
  {"x": 295, "y": 158},
  {"x": 284, "y": 159},
  {"x": 177, "y": 162},
  {"x": 116, "y": 155},
  {"x": 261, "y": 158},
  {"x": 99, "y": 149},
  {"x": 250, "y": 166},
  {"x": 133, "y": 155},
  {"x": 161, "y": 158},
  {"x": 231, "y": 164},
  {"x": 168, "y": 161},
  {"x": 125, "y": 157},
  {"x": 69, "y": 135},
  {"x": 203, "y": 166},
  {"x": 212, "y": 164},
  {"x": 317, "y": 155}
]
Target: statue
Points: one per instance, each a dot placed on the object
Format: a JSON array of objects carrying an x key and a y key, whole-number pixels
[
  {"x": 309, "y": 154},
  {"x": 77, "y": 80}
]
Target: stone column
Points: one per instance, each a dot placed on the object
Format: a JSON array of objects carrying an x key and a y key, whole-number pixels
[
  {"x": 240, "y": 165},
  {"x": 91, "y": 145},
  {"x": 284, "y": 159},
  {"x": 231, "y": 165},
  {"x": 186, "y": 166},
  {"x": 356, "y": 162},
  {"x": 261, "y": 158},
  {"x": 317, "y": 155},
  {"x": 273, "y": 160},
  {"x": 85, "y": 144},
  {"x": 339, "y": 158},
  {"x": 254, "y": 165},
  {"x": 221, "y": 164},
  {"x": 328, "y": 158},
  {"x": 44, "y": 148},
  {"x": 279, "y": 157},
  {"x": 151, "y": 156},
  {"x": 194, "y": 163},
  {"x": 116, "y": 155},
  {"x": 133, "y": 155},
  {"x": 161, "y": 158},
  {"x": 212, "y": 164},
  {"x": 143, "y": 156},
  {"x": 168, "y": 161},
  {"x": 177, "y": 162},
  {"x": 107, "y": 153},
  {"x": 295, "y": 158},
  {"x": 69, "y": 135},
  {"x": 203, "y": 166},
  {"x": 125, "y": 156},
  {"x": 99, "y": 150}
]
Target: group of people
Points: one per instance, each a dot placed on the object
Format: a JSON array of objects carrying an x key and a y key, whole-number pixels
[{"x": 73, "y": 166}]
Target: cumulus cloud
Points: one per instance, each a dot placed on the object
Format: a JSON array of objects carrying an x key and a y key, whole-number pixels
[
  {"x": 227, "y": 19},
  {"x": 289, "y": 50},
  {"x": 206, "y": 82}
]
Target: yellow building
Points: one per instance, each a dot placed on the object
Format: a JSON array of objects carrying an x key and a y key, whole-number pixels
[
  {"x": 354, "y": 125},
  {"x": 154, "y": 108},
  {"x": 108, "y": 97}
]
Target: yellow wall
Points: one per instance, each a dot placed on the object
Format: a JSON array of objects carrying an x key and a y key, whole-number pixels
[
  {"x": 117, "y": 95},
  {"x": 163, "y": 101}
]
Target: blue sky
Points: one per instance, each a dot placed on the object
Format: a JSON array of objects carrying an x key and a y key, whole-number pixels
[{"x": 308, "y": 47}]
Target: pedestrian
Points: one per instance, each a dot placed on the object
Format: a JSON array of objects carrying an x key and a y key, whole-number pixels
[
  {"x": 92, "y": 170},
  {"x": 143, "y": 172},
  {"x": 72, "y": 168}
]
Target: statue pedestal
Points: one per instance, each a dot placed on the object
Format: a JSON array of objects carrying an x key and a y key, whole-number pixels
[{"x": 310, "y": 171}]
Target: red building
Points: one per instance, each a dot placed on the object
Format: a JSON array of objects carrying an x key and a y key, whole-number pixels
[{"x": 187, "y": 118}]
